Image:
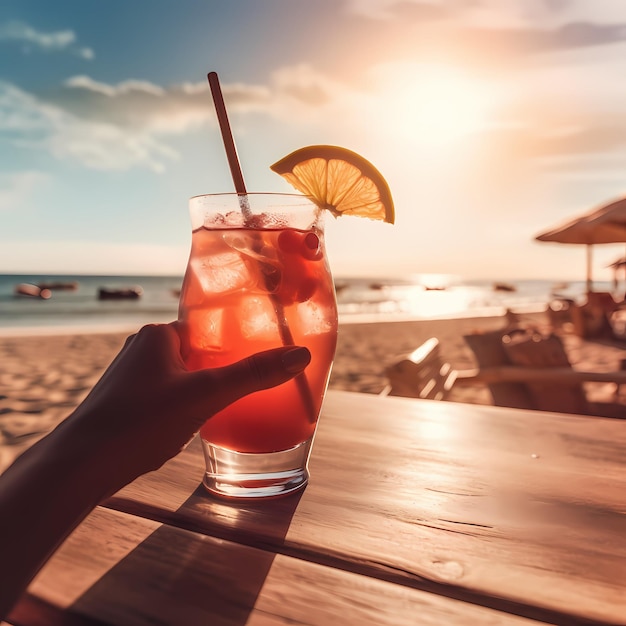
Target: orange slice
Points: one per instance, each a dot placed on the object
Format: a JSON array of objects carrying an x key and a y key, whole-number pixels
[{"x": 339, "y": 180}]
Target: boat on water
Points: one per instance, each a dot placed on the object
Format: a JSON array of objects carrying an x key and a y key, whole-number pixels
[
  {"x": 59, "y": 285},
  {"x": 126, "y": 293},
  {"x": 504, "y": 287},
  {"x": 32, "y": 291}
]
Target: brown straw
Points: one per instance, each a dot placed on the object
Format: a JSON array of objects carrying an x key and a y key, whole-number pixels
[
  {"x": 227, "y": 135},
  {"x": 240, "y": 187}
]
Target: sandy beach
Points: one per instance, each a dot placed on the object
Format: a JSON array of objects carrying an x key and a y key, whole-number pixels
[{"x": 44, "y": 376}]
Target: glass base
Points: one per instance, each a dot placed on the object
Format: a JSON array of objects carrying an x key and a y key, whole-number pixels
[{"x": 255, "y": 475}]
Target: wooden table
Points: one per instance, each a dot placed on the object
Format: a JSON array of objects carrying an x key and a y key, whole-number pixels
[{"x": 417, "y": 512}]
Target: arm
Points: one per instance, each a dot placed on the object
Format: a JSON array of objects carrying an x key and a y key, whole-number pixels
[{"x": 140, "y": 414}]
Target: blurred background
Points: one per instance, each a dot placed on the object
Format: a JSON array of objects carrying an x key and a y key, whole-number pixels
[{"x": 491, "y": 121}]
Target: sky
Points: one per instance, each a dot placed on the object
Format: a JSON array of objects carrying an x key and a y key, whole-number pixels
[{"x": 491, "y": 120}]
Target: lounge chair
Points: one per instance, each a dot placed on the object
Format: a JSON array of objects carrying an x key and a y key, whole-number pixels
[
  {"x": 595, "y": 319},
  {"x": 525, "y": 369},
  {"x": 421, "y": 374}
]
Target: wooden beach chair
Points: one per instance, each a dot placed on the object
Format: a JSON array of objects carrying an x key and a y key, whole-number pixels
[
  {"x": 421, "y": 374},
  {"x": 595, "y": 319},
  {"x": 525, "y": 369}
]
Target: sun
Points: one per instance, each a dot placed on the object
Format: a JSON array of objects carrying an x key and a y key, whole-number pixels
[{"x": 437, "y": 105}]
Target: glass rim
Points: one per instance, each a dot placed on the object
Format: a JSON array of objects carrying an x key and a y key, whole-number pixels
[
  {"x": 237, "y": 210},
  {"x": 231, "y": 194}
]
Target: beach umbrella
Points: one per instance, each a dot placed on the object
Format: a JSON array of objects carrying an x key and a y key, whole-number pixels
[{"x": 605, "y": 224}]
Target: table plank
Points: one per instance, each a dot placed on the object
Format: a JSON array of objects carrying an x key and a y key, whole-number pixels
[
  {"x": 127, "y": 571},
  {"x": 506, "y": 508}
]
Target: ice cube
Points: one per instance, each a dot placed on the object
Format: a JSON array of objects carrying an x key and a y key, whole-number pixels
[
  {"x": 251, "y": 244},
  {"x": 315, "y": 318},
  {"x": 222, "y": 273},
  {"x": 258, "y": 319},
  {"x": 205, "y": 328},
  {"x": 266, "y": 273}
]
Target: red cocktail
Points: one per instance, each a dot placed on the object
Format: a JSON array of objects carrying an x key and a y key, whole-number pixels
[{"x": 258, "y": 278}]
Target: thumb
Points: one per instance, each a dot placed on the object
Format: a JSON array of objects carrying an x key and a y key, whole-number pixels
[{"x": 213, "y": 389}]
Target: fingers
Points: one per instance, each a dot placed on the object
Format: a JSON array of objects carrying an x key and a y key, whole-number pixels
[
  {"x": 158, "y": 345},
  {"x": 268, "y": 369},
  {"x": 156, "y": 352},
  {"x": 215, "y": 388}
]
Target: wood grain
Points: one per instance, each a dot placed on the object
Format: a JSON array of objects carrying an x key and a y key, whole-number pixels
[
  {"x": 122, "y": 570},
  {"x": 517, "y": 510}
]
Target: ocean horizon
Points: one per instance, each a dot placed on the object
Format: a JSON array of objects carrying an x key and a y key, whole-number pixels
[{"x": 359, "y": 299}]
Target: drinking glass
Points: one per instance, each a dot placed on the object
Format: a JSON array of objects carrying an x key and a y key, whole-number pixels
[{"x": 258, "y": 278}]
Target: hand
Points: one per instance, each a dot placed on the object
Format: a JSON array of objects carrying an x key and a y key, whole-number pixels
[
  {"x": 147, "y": 406},
  {"x": 144, "y": 409}
]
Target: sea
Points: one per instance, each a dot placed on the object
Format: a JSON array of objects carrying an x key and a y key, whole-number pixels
[{"x": 359, "y": 300}]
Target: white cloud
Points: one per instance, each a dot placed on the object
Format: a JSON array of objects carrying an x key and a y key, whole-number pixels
[
  {"x": 106, "y": 147},
  {"x": 28, "y": 122},
  {"x": 125, "y": 87},
  {"x": 134, "y": 105},
  {"x": 18, "y": 31},
  {"x": 123, "y": 125},
  {"x": 17, "y": 188},
  {"x": 126, "y": 125},
  {"x": 600, "y": 11},
  {"x": 120, "y": 126},
  {"x": 498, "y": 13},
  {"x": 28, "y": 36},
  {"x": 86, "y": 53},
  {"x": 21, "y": 113},
  {"x": 293, "y": 93}
]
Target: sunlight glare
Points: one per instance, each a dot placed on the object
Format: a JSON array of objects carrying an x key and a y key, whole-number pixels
[{"x": 437, "y": 105}]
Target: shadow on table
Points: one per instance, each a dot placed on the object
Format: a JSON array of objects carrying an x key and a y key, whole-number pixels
[{"x": 185, "y": 578}]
